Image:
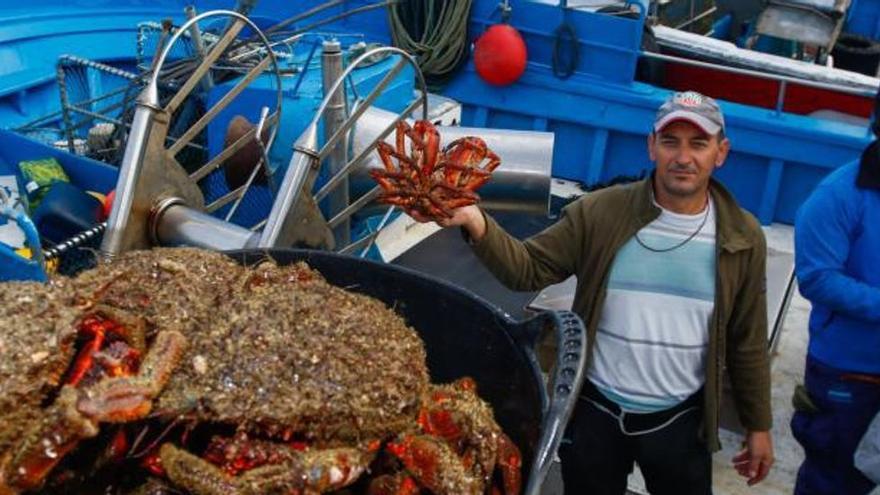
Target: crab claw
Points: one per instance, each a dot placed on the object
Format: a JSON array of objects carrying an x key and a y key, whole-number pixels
[
  {"x": 430, "y": 145},
  {"x": 313, "y": 471},
  {"x": 510, "y": 465},
  {"x": 434, "y": 465}
]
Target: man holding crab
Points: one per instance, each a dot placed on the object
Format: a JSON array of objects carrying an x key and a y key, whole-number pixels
[{"x": 671, "y": 285}]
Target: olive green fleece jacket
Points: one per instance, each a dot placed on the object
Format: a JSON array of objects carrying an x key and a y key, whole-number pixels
[{"x": 585, "y": 241}]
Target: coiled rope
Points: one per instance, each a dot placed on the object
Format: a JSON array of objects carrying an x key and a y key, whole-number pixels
[{"x": 433, "y": 31}]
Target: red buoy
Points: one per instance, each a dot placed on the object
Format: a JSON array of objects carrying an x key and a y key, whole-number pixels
[
  {"x": 108, "y": 205},
  {"x": 500, "y": 55}
]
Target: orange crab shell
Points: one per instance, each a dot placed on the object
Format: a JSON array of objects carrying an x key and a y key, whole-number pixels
[{"x": 429, "y": 182}]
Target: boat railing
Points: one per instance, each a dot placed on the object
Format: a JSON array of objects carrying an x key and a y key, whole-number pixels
[
  {"x": 694, "y": 18},
  {"x": 783, "y": 80}
]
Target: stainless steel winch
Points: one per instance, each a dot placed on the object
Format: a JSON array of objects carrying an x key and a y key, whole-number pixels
[{"x": 157, "y": 202}]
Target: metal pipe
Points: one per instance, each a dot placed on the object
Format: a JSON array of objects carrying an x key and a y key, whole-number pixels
[
  {"x": 124, "y": 216},
  {"x": 364, "y": 242},
  {"x": 420, "y": 78},
  {"x": 698, "y": 18},
  {"x": 129, "y": 171},
  {"x": 101, "y": 116},
  {"x": 780, "y": 96},
  {"x": 345, "y": 215},
  {"x": 204, "y": 66},
  {"x": 196, "y": 35},
  {"x": 761, "y": 75},
  {"x": 344, "y": 127},
  {"x": 174, "y": 224},
  {"x": 218, "y": 107},
  {"x": 375, "y": 234},
  {"x": 222, "y": 43},
  {"x": 302, "y": 74},
  {"x": 302, "y": 163},
  {"x": 334, "y": 181},
  {"x": 65, "y": 108},
  {"x": 262, "y": 163},
  {"x": 693, "y": 9},
  {"x": 334, "y": 118}
]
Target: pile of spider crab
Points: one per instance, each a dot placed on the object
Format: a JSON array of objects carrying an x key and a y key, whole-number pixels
[
  {"x": 429, "y": 182},
  {"x": 181, "y": 371}
]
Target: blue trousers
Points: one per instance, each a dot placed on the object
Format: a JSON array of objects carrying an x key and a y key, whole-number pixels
[{"x": 830, "y": 436}]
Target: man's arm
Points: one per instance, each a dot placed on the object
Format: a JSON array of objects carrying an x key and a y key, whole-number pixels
[
  {"x": 748, "y": 361},
  {"x": 748, "y": 365},
  {"x": 548, "y": 257},
  {"x": 824, "y": 229}
]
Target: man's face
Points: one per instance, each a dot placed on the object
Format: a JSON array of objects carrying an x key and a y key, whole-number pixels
[{"x": 685, "y": 157}]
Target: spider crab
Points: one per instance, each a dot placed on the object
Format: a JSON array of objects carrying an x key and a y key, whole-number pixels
[
  {"x": 428, "y": 181},
  {"x": 280, "y": 395},
  {"x": 77, "y": 353},
  {"x": 270, "y": 392},
  {"x": 284, "y": 396},
  {"x": 66, "y": 368},
  {"x": 457, "y": 447}
]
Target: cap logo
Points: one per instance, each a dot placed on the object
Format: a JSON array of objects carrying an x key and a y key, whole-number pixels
[{"x": 689, "y": 99}]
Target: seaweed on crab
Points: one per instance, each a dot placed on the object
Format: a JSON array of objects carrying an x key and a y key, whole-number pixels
[{"x": 233, "y": 381}]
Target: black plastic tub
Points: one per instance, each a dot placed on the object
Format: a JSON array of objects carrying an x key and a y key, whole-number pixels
[{"x": 466, "y": 336}]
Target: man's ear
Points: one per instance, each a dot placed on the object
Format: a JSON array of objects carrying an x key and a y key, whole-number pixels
[
  {"x": 724, "y": 150},
  {"x": 651, "y": 152}
]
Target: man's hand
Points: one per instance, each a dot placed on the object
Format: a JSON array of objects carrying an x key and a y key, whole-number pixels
[
  {"x": 469, "y": 217},
  {"x": 755, "y": 460}
]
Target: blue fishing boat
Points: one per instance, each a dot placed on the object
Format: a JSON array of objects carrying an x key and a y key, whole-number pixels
[{"x": 582, "y": 83}]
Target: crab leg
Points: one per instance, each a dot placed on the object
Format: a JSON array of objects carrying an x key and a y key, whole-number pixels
[
  {"x": 76, "y": 413},
  {"x": 435, "y": 465},
  {"x": 446, "y": 198},
  {"x": 407, "y": 165},
  {"x": 309, "y": 472},
  {"x": 510, "y": 465},
  {"x": 402, "y": 130},
  {"x": 482, "y": 174},
  {"x": 456, "y": 415},
  {"x": 398, "y": 484},
  {"x": 391, "y": 181},
  {"x": 98, "y": 325},
  {"x": 386, "y": 151},
  {"x": 426, "y": 137}
]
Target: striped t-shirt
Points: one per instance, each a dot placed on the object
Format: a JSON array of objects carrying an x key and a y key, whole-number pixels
[{"x": 653, "y": 332}]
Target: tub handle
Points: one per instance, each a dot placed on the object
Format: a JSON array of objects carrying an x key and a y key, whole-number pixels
[{"x": 563, "y": 387}]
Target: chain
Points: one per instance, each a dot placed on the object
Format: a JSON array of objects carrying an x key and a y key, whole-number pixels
[
  {"x": 682, "y": 243},
  {"x": 75, "y": 241}
]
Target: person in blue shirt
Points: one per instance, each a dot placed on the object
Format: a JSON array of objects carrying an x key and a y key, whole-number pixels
[{"x": 837, "y": 261}]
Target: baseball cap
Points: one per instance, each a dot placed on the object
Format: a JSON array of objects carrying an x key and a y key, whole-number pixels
[{"x": 690, "y": 106}]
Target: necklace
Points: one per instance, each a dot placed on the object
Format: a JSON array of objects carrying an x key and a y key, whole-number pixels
[{"x": 682, "y": 243}]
